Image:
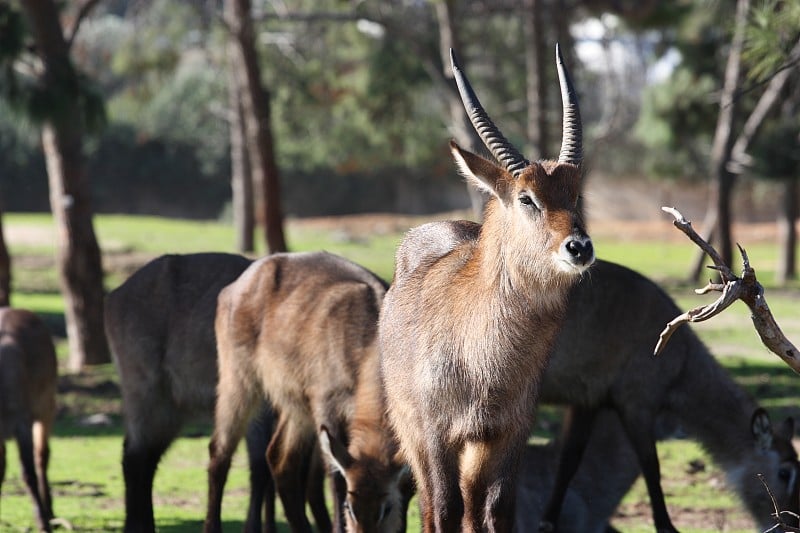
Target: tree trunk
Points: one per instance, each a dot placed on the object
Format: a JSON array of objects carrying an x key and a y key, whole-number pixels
[
  {"x": 78, "y": 257},
  {"x": 256, "y": 108},
  {"x": 536, "y": 80},
  {"x": 5, "y": 269},
  {"x": 787, "y": 233},
  {"x": 241, "y": 176},
  {"x": 723, "y": 179},
  {"x": 461, "y": 127}
]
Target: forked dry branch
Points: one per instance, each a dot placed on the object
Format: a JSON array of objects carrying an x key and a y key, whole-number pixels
[
  {"x": 747, "y": 289},
  {"x": 778, "y": 514}
]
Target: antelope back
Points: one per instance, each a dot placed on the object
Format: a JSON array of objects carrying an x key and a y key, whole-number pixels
[
  {"x": 160, "y": 325},
  {"x": 303, "y": 323},
  {"x": 305, "y": 326}
]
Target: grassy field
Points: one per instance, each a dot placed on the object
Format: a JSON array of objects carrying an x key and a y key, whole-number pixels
[{"x": 85, "y": 472}]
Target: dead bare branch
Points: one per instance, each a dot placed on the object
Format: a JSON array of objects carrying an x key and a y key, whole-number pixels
[
  {"x": 778, "y": 514},
  {"x": 747, "y": 289}
]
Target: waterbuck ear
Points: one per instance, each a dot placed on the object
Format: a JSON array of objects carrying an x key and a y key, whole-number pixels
[
  {"x": 334, "y": 451},
  {"x": 481, "y": 173},
  {"x": 762, "y": 429}
]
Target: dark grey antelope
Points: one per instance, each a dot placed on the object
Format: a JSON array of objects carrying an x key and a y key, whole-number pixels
[
  {"x": 160, "y": 325},
  {"x": 606, "y": 474},
  {"x": 603, "y": 359},
  {"x": 301, "y": 329},
  {"x": 28, "y": 384},
  {"x": 469, "y": 322}
]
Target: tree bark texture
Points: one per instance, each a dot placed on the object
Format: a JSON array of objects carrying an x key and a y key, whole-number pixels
[
  {"x": 78, "y": 256},
  {"x": 722, "y": 179},
  {"x": 787, "y": 233},
  {"x": 461, "y": 127},
  {"x": 538, "y": 130},
  {"x": 241, "y": 176},
  {"x": 256, "y": 109}
]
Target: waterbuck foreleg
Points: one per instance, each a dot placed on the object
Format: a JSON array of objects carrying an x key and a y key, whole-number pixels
[
  {"x": 315, "y": 493},
  {"x": 287, "y": 455},
  {"x": 446, "y": 502},
  {"x": 488, "y": 481},
  {"x": 575, "y": 432}
]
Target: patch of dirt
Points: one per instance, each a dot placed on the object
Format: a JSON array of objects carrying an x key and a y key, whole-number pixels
[{"x": 629, "y": 516}]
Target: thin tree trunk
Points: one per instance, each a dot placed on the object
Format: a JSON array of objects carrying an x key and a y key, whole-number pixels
[
  {"x": 460, "y": 125},
  {"x": 5, "y": 269},
  {"x": 536, "y": 80},
  {"x": 762, "y": 108},
  {"x": 787, "y": 233},
  {"x": 256, "y": 107},
  {"x": 78, "y": 257},
  {"x": 723, "y": 179},
  {"x": 241, "y": 175}
]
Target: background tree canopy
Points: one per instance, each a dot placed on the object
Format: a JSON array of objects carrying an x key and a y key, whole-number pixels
[{"x": 359, "y": 119}]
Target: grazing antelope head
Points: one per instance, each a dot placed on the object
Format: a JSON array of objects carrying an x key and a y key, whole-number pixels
[
  {"x": 378, "y": 488},
  {"x": 775, "y": 460}
]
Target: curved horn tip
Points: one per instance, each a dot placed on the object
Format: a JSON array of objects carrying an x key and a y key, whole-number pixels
[
  {"x": 454, "y": 61},
  {"x": 559, "y": 57}
]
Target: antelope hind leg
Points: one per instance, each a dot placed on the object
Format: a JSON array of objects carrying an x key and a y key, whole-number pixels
[
  {"x": 640, "y": 434},
  {"x": 577, "y": 428}
]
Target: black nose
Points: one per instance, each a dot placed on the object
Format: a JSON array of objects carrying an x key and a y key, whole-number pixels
[{"x": 581, "y": 251}]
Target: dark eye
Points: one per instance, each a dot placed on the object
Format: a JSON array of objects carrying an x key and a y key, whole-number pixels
[
  {"x": 526, "y": 199},
  {"x": 785, "y": 474}
]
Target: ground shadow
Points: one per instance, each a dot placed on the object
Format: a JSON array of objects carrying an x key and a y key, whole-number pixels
[{"x": 193, "y": 526}]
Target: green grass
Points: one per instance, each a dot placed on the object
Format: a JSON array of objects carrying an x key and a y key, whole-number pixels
[{"x": 85, "y": 470}]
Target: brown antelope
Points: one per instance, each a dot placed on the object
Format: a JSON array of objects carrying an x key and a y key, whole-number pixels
[
  {"x": 603, "y": 359},
  {"x": 28, "y": 384},
  {"x": 301, "y": 329},
  {"x": 468, "y": 324},
  {"x": 160, "y": 325}
]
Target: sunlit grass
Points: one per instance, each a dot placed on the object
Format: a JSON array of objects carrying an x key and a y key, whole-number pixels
[{"x": 85, "y": 467}]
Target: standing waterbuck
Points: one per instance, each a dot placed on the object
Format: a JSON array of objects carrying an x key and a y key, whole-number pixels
[
  {"x": 301, "y": 329},
  {"x": 603, "y": 359},
  {"x": 468, "y": 324},
  {"x": 160, "y": 326},
  {"x": 28, "y": 384}
]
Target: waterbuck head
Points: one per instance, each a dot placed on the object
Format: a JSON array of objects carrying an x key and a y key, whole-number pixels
[
  {"x": 379, "y": 487},
  {"x": 531, "y": 196},
  {"x": 775, "y": 460}
]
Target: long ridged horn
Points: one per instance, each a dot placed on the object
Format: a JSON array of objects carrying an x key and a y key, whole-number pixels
[
  {"x": 572, "y": 130},
  {"x": 501, "y": 149}
]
